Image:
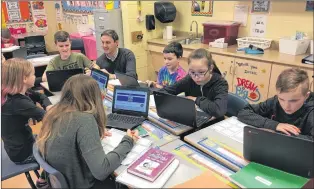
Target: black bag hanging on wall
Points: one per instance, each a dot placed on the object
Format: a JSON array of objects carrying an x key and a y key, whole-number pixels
[{"x": 165, "y": 12}]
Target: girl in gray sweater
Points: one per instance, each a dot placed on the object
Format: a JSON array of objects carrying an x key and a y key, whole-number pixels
[{"x": 70, "y": 138}]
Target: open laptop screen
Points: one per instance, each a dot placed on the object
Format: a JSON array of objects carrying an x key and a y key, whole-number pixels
[
  {"x": 102, "y": 80},
  {"x": 131, "y": 100}
]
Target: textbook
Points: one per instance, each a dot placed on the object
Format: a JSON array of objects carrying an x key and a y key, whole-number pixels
[
  {"x": 133, "y": 181},
  {"x": 255, "y": 175},
  {"x": 151, "y": 164}
]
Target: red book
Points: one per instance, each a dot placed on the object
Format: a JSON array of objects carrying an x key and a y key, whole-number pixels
[{"x": 151, "y": 164}]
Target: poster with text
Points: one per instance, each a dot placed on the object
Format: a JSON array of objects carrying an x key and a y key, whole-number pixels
[
  {"x": 258, "y": 25},
  {"x": 13, "y": 11}
]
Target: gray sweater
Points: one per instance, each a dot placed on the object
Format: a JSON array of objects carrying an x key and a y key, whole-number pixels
[
  {"x": 125, "y": 62},
  {"x": 76, "y": 151}
]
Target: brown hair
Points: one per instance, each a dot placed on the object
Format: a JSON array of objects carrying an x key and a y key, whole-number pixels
[
  {"x": 79, "y": 93},
  {"x": 61, "y": 36},
  {"x": 292, "y": 78},
  {"x": 12, "y": 75},
  {"x": 207, "y": 56}
]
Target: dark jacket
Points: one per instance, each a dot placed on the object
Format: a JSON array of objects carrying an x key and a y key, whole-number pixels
[
  {"x": 125, "y": 62},
  {"x": 16, "y": 134},
  {"x": 269, "y": 114},
  {"x": 212, "y": 98}
]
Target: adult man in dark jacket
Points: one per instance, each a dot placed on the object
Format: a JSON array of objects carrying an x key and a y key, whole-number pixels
[{"x": 291, "y": 111}]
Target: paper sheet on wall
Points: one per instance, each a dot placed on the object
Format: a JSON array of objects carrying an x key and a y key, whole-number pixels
[
  {"x": 13, "y": 11},
  {"x": 258, "y": 25},
  {"x": 241, "y": 14}
]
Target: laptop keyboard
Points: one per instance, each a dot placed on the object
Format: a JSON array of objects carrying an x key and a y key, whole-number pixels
[
  {"x": 125, "y": 119},
  {"x": 200, "y": 120}
]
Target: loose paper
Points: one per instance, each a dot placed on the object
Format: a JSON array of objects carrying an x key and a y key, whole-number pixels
[
  {"x": 241, "y": 14},
  {"x": 258, "y": 25}
]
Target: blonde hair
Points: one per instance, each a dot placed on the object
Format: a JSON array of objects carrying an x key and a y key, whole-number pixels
[
  {"x": 12, "y": 75},
  {"x": 79, "y": 93}
]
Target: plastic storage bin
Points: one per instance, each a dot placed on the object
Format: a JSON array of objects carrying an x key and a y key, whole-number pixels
[
  {"x": 221, "y": 29},
  {"x": 292, "y": 46},
  {"x": 257, "y": 42}
]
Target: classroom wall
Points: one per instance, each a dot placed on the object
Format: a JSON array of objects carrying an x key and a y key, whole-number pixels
[
  {"x": 52, "y": 25},
  {"x": 130, "y": 24},
  {"x": 283, "y": 19}
]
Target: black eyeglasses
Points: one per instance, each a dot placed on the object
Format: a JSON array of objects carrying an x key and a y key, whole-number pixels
[{"x": 199, "y": 75}]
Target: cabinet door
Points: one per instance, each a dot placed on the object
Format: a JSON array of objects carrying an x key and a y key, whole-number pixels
[
  {"x": 251, "y": 80},
  {"x": 226, "y": 66},
  {"x": 276, "y": 70}
]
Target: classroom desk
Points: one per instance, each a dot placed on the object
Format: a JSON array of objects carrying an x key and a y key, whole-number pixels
[
  {"x": 9, "y": 49},
  {"x": 183, "y": 173},
  {"x": 41, "y": 61},
  {"x": 219, "y": 135}
]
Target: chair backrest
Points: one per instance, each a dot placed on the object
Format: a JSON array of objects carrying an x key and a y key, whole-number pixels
[
  {"x": 235, "y": 104},
  {"x": 56, "y": 179},
  {"x": 78, "y": 44}
]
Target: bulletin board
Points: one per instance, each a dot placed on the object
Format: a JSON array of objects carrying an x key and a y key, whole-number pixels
[
  {"x": 87, "y": 7},
  {"x": 17, "y": 11}
]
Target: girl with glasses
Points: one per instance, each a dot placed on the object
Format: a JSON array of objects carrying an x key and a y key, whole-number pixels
[{"x": 203, "y": 84}]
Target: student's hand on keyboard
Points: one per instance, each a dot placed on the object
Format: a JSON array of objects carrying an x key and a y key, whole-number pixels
[
  {"x": 288, "y": 129},
  {"x": 133, "y": 134}
]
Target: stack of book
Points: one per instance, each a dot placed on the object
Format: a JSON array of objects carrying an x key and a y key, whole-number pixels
[{"x": 151, "y": 170}]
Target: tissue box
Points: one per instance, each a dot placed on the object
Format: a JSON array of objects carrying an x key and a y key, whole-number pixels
[
  {"x": 218, "y": 45},
  {"x": 292, "y": 46}
]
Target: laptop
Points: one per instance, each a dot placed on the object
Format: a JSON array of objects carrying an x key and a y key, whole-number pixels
[
  {"x": 20, "y": 53},
  {"x": 101, "y": 78},
  {"x": 129, "y": 107},
  {"x": 56, "y": 79},
  {"x": 130, "y": 81},
  {"x": 179, "y": 109},
  {"x": 287, "y": 153}
]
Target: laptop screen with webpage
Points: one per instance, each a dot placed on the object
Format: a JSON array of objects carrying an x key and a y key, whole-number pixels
[
  {"x": 131, "y": 100},
  {"x": 102, "y": 80}
]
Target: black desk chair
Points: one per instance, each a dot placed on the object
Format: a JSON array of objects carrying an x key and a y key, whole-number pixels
[
  {"x": 78, "y": 44},
  {"x": 235, "y": 104}
]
